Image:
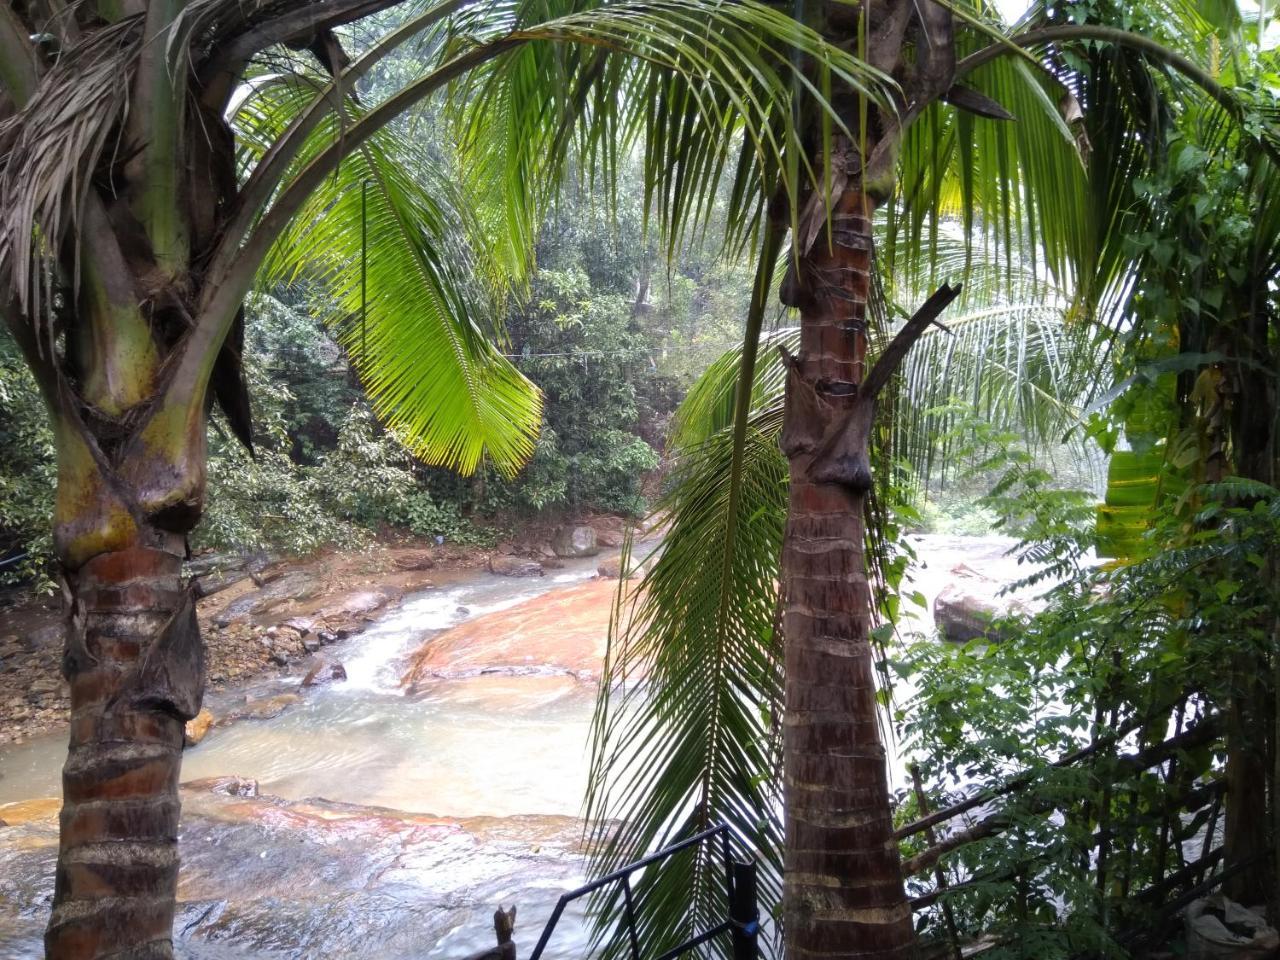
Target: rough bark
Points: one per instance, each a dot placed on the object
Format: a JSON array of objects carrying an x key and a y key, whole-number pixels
[
  {"x": 133, "y": 660},
  {"x": 1247, "y": 821},
  {"x": 843, "y": 887}
]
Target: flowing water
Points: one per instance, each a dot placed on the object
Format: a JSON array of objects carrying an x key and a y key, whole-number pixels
[{"x": 267, "y": 879}]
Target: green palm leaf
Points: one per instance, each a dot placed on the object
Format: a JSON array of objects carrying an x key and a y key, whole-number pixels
[
  {"x": 686, "y": 725},
  {"x": 432, "y": 374}
]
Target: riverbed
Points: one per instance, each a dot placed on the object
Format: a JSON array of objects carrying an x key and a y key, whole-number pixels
[{"x": 401, "y": 821}]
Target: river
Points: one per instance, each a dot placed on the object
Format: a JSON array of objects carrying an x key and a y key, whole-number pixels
[{"x": 481, "y": 780}]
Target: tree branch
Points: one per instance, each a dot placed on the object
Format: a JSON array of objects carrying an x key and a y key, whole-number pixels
[
  {"x": 232, "y": 51},
  {"x": 264, "y": 180},
  {"x": 1114, "y": 35},
  {"x": 905, "y": 338}
]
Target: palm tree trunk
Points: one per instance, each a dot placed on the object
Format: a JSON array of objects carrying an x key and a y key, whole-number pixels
[
  {"x": 843, "y": 894},
  {"x": 135, "y": 664}
]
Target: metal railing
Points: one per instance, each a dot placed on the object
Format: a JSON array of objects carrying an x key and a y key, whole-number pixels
[{"x": 742, "y": 920}]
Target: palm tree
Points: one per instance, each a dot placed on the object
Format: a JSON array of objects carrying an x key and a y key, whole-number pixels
[
  {"x": 1018, "y": 184},
  {"x": 151, "y": 170}
]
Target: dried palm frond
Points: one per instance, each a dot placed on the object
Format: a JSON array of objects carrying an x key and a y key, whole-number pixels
[{"x": 55, "y": 146}]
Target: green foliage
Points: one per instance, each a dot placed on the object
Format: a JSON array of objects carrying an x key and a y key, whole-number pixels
[
  {"x": 27, "y": 473},
  {"x": 1138, "y": 647},
  {"x": 697, "y": 742}
]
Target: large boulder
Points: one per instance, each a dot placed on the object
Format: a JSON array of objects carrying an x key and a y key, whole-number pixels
[
  {"x": 414, "y": 560},
  {"x": 264, "y": 709},
  {"x": 968, "y": 607},
  {"x": 505, "y": 566},
  {"x": 610, "y": 531},
  {"x": 575, "y": 541},
  {"x": 610, "y": 568}
]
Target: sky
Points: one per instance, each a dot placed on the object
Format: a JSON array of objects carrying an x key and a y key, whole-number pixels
[{"x": 1011, "y": 10}]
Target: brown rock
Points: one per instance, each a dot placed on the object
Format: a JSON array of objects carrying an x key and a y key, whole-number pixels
[
  {"x": 564, "y": 631},
  {"x": 414, "y": 560},
  {"x": 197, "y": 727},
  {"x": 611, "y": 569},
  {"x": 323, "y": 672},
  {"x": 506, "y": 566},
  {"x": 264, "y": 709},
  {"x": 227, "y": 786}
]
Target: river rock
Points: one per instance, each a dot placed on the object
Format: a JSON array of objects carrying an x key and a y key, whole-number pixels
[
  {"x": 226, "y": 786},
  {"x": 563, "y": 632},
  {"x": 966, "y": 608},
  {"x": 266, "y": 708},
  {"x": 323, "y": 672},
  {"x": 291, "y": 588},
  {"x": 514, "y": 566},
  {"x": 575, "y": 541},
  {"x": 362, "y": 603},
  {"x": 50, "y": 635},
  {"x": 610, "y": 531},
  {"x": 611, "y": 569},
  {"x": 197, "y": 727},
  {"x": 414, "y": 560}
]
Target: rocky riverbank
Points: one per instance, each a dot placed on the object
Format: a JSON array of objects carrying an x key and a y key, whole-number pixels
[{"x": 260, "y": 619}]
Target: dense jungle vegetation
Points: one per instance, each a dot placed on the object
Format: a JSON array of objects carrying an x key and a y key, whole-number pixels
[{"x": 960, "y": 271}]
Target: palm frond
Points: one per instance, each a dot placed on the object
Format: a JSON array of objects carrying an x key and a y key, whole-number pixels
[
  {"x": 703, "y": 91},
  {"x": 432, "y": 374},
  {"x": 686, "y": 726},
  {"x": 52, "y": 149}
]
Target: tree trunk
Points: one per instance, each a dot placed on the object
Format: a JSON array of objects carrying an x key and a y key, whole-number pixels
[
  {"x": 134, "y": 661},
  {"x": 843, "y": 894},
  {"x": 1247, "y": 824}
]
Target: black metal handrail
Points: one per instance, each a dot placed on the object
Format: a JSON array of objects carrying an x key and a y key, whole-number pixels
[{"x": 740, "y": 880}]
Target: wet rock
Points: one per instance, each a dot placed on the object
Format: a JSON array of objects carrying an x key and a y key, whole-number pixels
[
  {"x": 562, "y": 632},
  {"x": 323, "y": 672},
  {"x": 45, "y": 637},
  {"x": 362, "y": 603},
  {"x": 42, "y": 685},
  {"x": 575, "y": 541},
  {"x": 264, "y": 709},
  {"x": 611, "y": 569},
  {"x": 414, "y": 560},
  {"x": 290, "y": 588},
  {"x": 225, "y": 786},
  {"x": 610, "y": 531},
  {"x": 969, "y": 606},
  {"x": 514, "y": 566},
  {"x": 311, "y": 643},
  {"x": 197, "y": 727}
]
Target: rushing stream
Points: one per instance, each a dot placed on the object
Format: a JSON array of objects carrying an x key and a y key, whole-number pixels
[{"x": 488, "y": 773}]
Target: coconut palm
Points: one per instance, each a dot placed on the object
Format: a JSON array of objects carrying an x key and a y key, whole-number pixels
[
  {"x": 976, "y": 137},
  {"x": 157, "y": 155}
]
